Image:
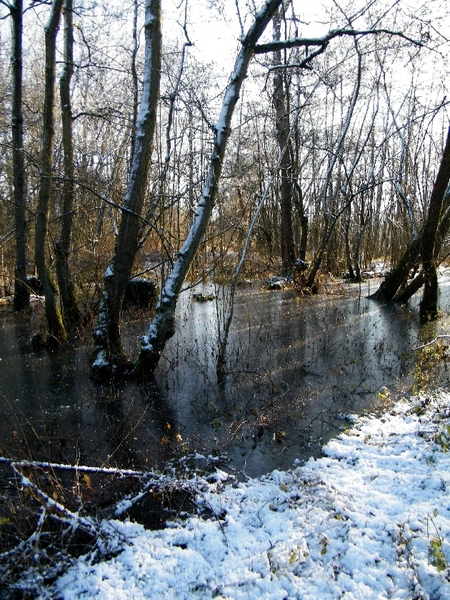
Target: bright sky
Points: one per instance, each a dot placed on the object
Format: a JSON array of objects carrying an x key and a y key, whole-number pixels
[{"x": 214, "y": 26}]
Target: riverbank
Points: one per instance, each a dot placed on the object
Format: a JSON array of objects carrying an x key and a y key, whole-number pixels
[{"x": 369, "y": 520}]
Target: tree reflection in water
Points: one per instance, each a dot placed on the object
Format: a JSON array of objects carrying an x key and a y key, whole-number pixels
[{"x": 296, "y": 367}]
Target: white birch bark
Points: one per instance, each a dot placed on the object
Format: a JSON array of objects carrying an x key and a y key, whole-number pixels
[{"x": 162, "y": 327}]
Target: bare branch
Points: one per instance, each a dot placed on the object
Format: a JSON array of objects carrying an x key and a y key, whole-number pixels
[
  {"x": 303, "y": 64},
  {"x": 323, "y": 41},
  {"x": 7, "y": 4},
  {"x": 436, "y": 339}
]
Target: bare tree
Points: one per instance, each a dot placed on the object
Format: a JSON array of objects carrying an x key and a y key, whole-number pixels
[
  {"x": 62, "y": 246},
  {"x": 423, "y": 247},
  {"x": 21, "y": 289},
  {"x": 413, "y": 286},
  {"x": 331, "y": 216},
  {"x": 108, "y": 352},
  {"x": 428, "y": 306},
  {"x": 280, "y": 96},
  {"x": 162, "y": 327},
  {"x": 56, "y": 327},
  {"x": 229, "y": 306}
]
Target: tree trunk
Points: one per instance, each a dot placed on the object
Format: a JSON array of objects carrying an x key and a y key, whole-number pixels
[
  {"x": 414, "y": 286},
  {"x": 62, "y": 246},
  {"x": 280, "y": 93},
  {"x": 357, "y": 252},
  {"x": 229, "y": 304},
  {"x": 398, "y": 277},
  {"x": 429, "y": 303},
  {"x": 300, "y": 207},
  {"x": 55, "y": 323},
  {"x": 21, "y": 290},
  {"x": 163, "y": 326},
  {"x": 348, "y": 254},
  {"x": 134, "y": 75},
  {"x": 410, "y": 289},
  {"x": 108, "y": 352}
]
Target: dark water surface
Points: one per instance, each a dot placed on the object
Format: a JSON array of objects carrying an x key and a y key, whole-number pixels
[{"x": 296, "y": 367}]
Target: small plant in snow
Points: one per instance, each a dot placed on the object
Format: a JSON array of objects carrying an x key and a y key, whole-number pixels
[
  {"x": 437, "y": 555},
  {"x": 442, "y": 438}
]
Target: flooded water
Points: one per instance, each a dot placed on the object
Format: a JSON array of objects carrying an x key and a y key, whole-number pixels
[{"x": 296, "y": 367}]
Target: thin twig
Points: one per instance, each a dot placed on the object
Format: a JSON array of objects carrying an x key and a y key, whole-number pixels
[{"x": 437, "y": 338}]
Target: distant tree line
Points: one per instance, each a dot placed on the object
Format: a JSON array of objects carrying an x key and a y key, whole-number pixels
[{"x": 126, "y": 153}]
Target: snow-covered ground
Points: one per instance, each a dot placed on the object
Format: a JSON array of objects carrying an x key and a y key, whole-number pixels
[{"x": 371, "y": 519}]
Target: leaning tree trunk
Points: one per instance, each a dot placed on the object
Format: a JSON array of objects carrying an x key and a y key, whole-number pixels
[
  {"x": 109, "y": 355},
  {"x": 55, "y": 323},
  {"x": 410, "y": 289},
  {"x": 162, "y": 327},
  {"x": 429, "y": 303},
  {"x": 62, "y": 246},
  {"x": 414, "y": 286},
  {"x": 21, "y": 290},
  {"x": 398, "y": 277}
]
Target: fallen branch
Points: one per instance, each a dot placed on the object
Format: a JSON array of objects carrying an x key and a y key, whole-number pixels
[{"x": 436, "y": 339}]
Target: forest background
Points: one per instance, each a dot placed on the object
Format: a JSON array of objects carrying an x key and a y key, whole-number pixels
[{"x": 221, "y": 140}]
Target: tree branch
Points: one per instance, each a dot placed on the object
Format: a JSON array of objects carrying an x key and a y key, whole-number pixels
[
  {"x": 323, "y": 41},
  {"x": 303, "y": 64},
  {"x": 436, "y": 339}
]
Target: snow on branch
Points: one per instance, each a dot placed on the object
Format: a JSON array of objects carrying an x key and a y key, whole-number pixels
[
  {"x": 436, "y": 339},
  {"x": 323, "y": 42}
]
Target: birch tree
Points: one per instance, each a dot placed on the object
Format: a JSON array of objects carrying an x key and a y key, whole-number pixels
[{"x": 162, "y": 327}]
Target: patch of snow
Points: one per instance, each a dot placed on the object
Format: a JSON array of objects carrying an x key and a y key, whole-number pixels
[
  {"x": 101, "y": 360},
  {"x": 369, "y": 520}
]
